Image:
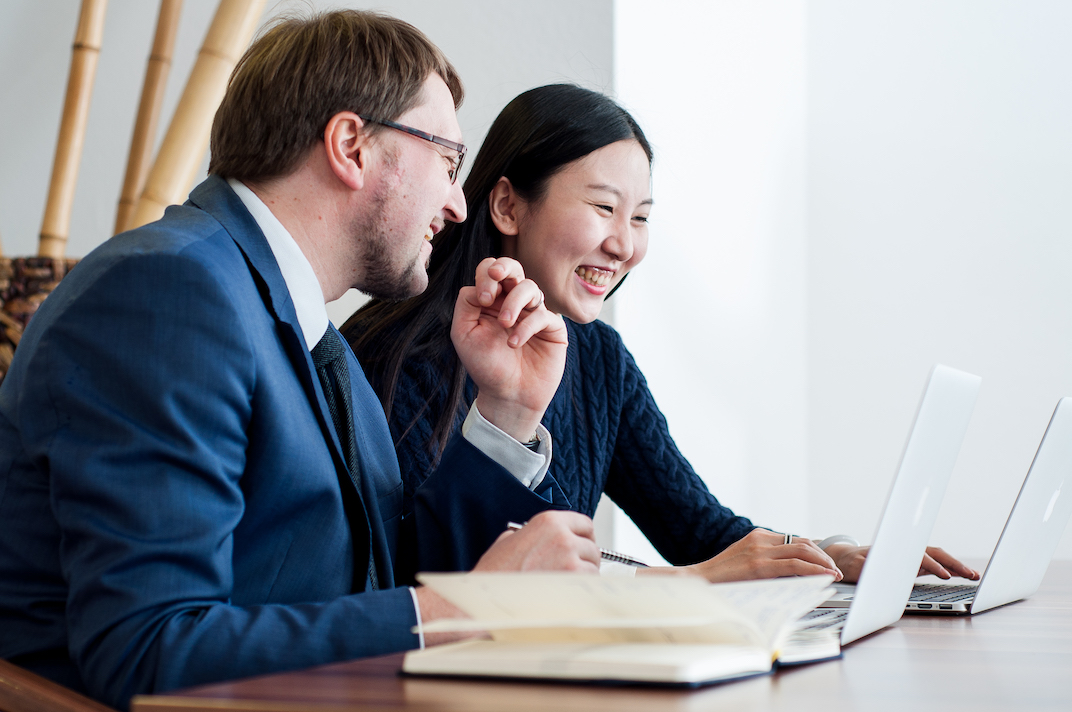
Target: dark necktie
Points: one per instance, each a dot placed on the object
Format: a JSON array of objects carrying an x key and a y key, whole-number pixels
[{"x": 329, "y": 358}]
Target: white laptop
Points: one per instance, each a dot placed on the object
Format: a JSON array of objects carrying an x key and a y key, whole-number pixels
[
  {"x": 1029, "y": 539},
  {"x": 878, "y": 599}
]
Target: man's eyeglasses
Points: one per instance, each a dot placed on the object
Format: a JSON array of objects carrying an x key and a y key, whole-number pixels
[{"x": 456, "y": 164}]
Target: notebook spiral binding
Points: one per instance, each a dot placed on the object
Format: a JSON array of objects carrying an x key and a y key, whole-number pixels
[{"x": 621, "y": 558}]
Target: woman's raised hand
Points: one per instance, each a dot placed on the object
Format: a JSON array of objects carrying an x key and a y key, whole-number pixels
[{"x": 510, "y": 344}]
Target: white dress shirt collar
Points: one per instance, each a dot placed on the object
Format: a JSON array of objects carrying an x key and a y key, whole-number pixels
[{"x": 301, "y": 281}]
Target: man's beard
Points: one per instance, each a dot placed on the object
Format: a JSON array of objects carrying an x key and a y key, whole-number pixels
[{"x": 383, "y": 277}]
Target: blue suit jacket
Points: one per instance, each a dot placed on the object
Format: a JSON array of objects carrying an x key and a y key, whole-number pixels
[{"x": 175, "y": 506}]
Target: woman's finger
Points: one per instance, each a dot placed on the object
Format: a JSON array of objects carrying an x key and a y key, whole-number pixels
[
  {"x": 931, "y": 566},
  {"x": 525, "y": 296},
  {"x": 799, "y": 550},
  {"x": 774, "y": 568},
  {"x": 952, "y": 564},
  {"x": 548, "y": 326},
  {"x": 494, "y": 275}
]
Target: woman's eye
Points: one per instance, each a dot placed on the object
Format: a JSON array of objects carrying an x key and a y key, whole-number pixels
[
  {"x": 640, "y": 218},
  {"x": 606, "y": 208}
]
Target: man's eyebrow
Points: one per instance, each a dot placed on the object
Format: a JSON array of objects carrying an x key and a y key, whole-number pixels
[{"x": 611, "y": 189}]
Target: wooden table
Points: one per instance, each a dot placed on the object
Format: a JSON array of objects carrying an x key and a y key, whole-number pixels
[{"x": 1018, "y": 657}]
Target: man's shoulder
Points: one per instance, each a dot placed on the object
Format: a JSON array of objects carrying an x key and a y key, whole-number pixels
[
  {"x": 186, "y": 235},
  {"x": 187, "y": 255},
  {"x": 213, "y": 221}
]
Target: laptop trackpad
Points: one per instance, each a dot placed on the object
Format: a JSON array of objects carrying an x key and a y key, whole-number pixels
[{"x": 842, "y": 598}]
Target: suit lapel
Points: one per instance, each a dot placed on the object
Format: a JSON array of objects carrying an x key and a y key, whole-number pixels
[{"x": 215, "y": 197}]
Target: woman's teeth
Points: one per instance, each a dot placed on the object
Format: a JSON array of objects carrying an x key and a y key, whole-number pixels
[{"x": 595, "y": 277}]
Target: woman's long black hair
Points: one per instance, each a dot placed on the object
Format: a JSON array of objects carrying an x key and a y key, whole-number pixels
[{"x": 534, "y": 137}]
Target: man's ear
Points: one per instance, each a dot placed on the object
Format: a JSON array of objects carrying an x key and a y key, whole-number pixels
[
  {"x": 505, "y": 206},
  {"x": 346, "y": 146}
]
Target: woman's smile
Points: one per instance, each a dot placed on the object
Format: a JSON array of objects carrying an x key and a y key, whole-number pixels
[{"x": 594, "y": 279}]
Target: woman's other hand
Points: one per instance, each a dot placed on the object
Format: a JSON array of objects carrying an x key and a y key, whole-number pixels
[
  {"x": 850, "y": 559},
  {"x": 764, "y": 554}
]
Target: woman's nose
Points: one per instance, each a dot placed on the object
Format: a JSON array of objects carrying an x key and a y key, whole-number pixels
[{"x": 619, "y": 244}]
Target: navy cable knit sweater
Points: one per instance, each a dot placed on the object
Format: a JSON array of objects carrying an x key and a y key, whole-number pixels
[{"x": 608, "y": 436}]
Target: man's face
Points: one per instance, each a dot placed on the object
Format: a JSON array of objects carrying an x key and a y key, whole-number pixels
[{"x": 411, "y": 198}]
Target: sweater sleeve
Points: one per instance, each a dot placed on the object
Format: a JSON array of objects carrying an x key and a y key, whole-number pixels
[{"x": 652, "y": 481}]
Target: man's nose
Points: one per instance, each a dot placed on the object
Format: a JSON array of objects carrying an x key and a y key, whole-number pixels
[{"x": 455, "y": 207}]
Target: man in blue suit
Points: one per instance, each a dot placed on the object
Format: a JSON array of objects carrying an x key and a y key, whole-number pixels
[{"x": 196, "y": 481}]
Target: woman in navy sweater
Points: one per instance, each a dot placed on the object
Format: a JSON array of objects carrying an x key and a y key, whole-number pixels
[{"x": 562, "y": 185}]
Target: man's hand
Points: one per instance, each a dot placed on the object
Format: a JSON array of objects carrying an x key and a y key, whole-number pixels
[
  {"x": 762, "y": 554},
  {"x": 850, "y": 559},
  {"x": 511, "y": 346},
  {"x": 555, "y": 540},
  {"x": 551, "y": 541}
]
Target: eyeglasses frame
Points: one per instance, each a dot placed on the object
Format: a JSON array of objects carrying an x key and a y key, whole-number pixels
[{"x": 439, "y": 140}]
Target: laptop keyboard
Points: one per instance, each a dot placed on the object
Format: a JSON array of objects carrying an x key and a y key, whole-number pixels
[
  {"x": 823, "y": 618},
  {"x": 933, "y": 592}
]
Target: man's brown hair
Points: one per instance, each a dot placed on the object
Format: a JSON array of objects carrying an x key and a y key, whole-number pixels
[{"x": 301, "y": 72}]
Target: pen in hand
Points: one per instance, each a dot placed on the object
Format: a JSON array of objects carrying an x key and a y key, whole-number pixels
[{"x": 605, "y": 554}]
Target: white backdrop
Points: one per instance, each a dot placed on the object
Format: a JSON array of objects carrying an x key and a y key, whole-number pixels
[
  {"x": 939, "y": 224},
  {"x": 715, "y": 316},
  {"x": 845, "y": 194}
]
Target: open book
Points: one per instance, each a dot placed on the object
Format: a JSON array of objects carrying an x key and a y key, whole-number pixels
[{"x": 658, "y": 629}]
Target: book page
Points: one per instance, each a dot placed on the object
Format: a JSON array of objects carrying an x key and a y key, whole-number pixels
[
  {"x": 773, "y": 605},
  {"x": 584, "y": 608}
]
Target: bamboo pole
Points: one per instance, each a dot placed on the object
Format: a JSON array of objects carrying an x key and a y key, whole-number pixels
[
  {"x": 86, "y": 49},
  {"x": 152, "y": 96},
  {"x": 187, "y": 137}
]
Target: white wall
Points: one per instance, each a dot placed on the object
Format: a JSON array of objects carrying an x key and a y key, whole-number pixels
[
  {"x": 845, "y": 194},
  {"x": 940, "y": 218},
  {"x": 716, "y": 314}
]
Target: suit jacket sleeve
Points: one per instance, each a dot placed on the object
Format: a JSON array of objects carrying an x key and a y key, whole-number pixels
[{"x": 145, "y": 394}]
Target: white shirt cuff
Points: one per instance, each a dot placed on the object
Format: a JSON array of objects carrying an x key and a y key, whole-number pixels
[
  {"x": 616, "y": 569},
  {"x": 417, "y": 610},
  {"x": 527, "y": 466}
]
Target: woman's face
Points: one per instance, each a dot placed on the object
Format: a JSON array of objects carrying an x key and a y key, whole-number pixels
[{"x": 586, "y": 232}]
